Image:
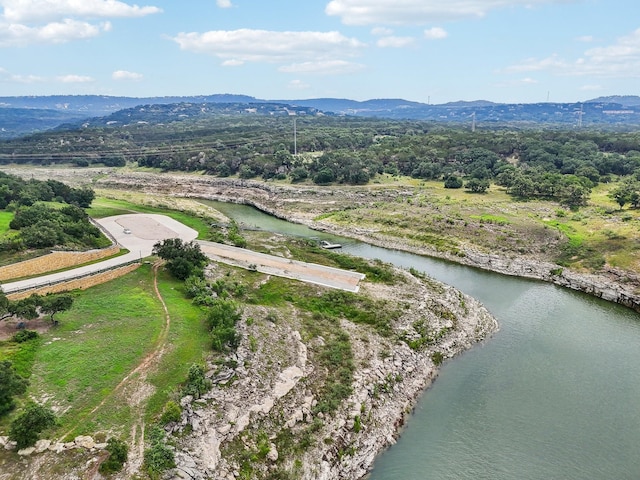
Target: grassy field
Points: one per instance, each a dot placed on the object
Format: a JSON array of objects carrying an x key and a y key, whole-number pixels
[{"x": 106, "y": 334}]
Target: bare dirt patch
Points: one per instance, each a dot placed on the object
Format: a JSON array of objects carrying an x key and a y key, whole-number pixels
[{"x": 8, "y": 328}]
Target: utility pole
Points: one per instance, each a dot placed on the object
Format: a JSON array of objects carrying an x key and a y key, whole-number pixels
[
  {"x": 580, "y": 114},
  {"x": 295, "y": 138},
  {"x": 473, "y": 122}
]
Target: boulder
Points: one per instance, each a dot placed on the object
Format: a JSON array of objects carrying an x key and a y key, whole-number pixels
[
  {"x": 85, "y": 441},
  {"x": 42, "y": 445},
  {"x": 273, "y": 453}
]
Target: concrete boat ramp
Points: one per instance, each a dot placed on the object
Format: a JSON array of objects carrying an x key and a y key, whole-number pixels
[{"x": 283, "y": 267}]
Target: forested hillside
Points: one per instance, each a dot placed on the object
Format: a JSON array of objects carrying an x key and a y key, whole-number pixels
[{"x": 561, "y": 164}]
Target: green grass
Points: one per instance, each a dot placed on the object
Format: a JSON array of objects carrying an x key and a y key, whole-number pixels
[
  {"x": 22, "y": 356},
  {"x": 103, "y": 337},
  {"x": 5, "y": 219},
  {"x": 107, "y": 207},
  {"x": 187, "y": 338}
]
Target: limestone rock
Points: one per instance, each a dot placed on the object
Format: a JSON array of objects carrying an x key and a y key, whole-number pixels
[
  {"x": 57, "y": 447},
  {"x": 85, "y": 441},
  {"x": 273, "y": 453},
  {"x": 25, "y": 452},
  {"x": 42, "y": 445}
]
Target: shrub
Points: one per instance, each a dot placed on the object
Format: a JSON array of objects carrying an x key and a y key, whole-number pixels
[
  {"x": 437, "y": 358},
  {"x": 26, "y": 427},
  {"x": 158, "y": 457},
  {"x": 172, "y": 413},
  {"x": 453, "y": 182},
  {"x": 221, "y": 319},
  {"x": 25, "y": 335},
  {"x": 118, "y": 453},
  {"x": 11, "y": 384},
  {"x": 196, "y": 383}
]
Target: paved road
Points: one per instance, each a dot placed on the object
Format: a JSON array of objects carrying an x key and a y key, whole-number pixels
[
  {"x": 145, "y": 230},
  {"x": 139, "y": 232}
]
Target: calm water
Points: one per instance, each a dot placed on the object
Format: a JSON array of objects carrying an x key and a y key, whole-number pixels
[{"x": 554, "y": 395}]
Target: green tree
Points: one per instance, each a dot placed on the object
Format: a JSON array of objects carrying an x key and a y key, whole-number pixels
[
  {"x": 453, "y": 181},
  {"x": 158, "y": 457},
  {"x": 26, "y": 427},
  {"x": 299, "y": 174},
  {"x": 52, "y": 304},
  {"x": 477, "y": 185},
  {"x": 183, "y": 259},
  {"x": 196, "y": 383},
  {"x": 221, "y": 319},
  {"x": 26, "y": 308},
  {"x": 11, "y": 384}
]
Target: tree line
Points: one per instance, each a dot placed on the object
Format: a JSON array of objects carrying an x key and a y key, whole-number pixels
[{"x": 560, "y": 164}]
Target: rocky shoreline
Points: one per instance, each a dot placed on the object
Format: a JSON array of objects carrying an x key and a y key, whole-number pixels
[
  {"x": 387, "y": 383},
  {"x": 611, "y": 284}
]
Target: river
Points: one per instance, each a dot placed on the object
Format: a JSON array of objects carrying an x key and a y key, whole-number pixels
[{"x": 553, "y": 395}]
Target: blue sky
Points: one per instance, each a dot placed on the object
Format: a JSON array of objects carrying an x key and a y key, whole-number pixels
[{"x": 433, "y": 51}]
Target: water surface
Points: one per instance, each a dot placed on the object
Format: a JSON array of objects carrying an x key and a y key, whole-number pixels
[{"x": 555, "y": 394}]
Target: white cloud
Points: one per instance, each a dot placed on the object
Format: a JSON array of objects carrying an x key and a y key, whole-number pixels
[
  {"x": 298, "y": 85},
  {"x": 328, "y": 67},
  {"x": 58, "y": 21},
  {"x": 8, "y": 77},
  {"x": 585, "y": 38},
  {"x": 591, "y": 88},
  {"x": 55, "y": 32},
  {"x": 435, "y": 33},
  {"x": 74, "y": 79},
  {"x": 126, "y": 75},
  {"x": 29, "y": 11},
  {"x": 621, "y": 59},
  {"x": 394, "y": 42},
  {"x": 400, "y": 12},
  {"x": 247, "y": 45},
  {"x": 224, "y": 3},
  {"x": 518, "y": 83}
]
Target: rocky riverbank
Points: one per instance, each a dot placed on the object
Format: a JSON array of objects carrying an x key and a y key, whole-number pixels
[{"x": 250, "y": 412}]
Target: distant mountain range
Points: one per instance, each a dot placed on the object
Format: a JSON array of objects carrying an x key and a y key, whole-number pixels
[{"x": 25, "y": 115}]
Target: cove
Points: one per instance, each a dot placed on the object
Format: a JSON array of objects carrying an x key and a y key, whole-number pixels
[{"x": 552, "y": 395}]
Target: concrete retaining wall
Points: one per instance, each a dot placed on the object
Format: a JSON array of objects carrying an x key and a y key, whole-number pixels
[
  {"x": 54, "y": 261},
  {"x": 79, "y": 283}
]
